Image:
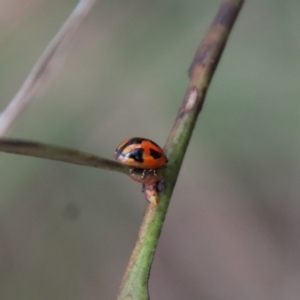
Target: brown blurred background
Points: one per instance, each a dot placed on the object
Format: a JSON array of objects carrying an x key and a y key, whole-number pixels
[{"x": 233, "y": 228}]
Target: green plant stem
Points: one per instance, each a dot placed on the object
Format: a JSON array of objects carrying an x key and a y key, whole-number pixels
[{"x": 134, "y": 285}]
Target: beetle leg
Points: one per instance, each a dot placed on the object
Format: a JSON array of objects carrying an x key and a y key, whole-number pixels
[
  {"x": 160, "y": 186},
  {"x": 144, "y": 173},
  {"x": 143, "y": 188}
]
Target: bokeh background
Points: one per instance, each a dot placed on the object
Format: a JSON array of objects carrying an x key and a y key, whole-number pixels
[{"x": 233, "y": 227}]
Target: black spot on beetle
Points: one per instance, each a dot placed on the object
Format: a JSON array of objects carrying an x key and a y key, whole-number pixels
[
  {"x": 136, "y": 155},
  {"x": 155, "y": 154},
  {"x": 118, "y": 152},
  {"x": 132, "y": 141},
  {"x": 135, "y": 140}
]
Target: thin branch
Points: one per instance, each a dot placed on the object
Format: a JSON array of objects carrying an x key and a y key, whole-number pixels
[
  {"x": 134, "y": 285},
  {"x": 45, "y": 67},
  {"x": 61, "y": 154},
  {"x": 51, "y": 152}
]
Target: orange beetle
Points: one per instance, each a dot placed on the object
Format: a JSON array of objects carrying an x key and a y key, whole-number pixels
[{"x": 140, "y": 153}]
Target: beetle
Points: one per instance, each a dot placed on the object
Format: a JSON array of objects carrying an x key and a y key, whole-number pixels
[{"x": 140, "y": 153}]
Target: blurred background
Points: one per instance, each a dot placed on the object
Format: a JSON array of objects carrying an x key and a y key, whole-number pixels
[{"x": 233, "y": 227}]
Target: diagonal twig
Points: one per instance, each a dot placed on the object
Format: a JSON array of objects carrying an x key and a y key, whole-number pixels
[
  {"x": 45, "y": 67},
  {"x": 134, "y": 285}
]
